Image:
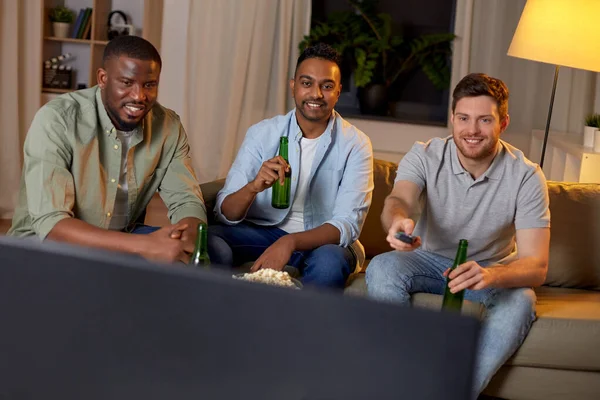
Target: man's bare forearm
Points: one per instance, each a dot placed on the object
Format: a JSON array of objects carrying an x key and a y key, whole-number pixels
[
  {"x": 316, "y": 237},
  {"x": 393, "y": 207},
  {"x": 525, "y": 272},
  {"x": 76, "y": 231},
  {"x": 235, "y": 206}
]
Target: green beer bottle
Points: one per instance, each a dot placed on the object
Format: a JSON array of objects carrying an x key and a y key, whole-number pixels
[
  {"x": 281, "y": 192},
  {"x": 453, "y": 301},
  {"x": 200, "y": 256}
]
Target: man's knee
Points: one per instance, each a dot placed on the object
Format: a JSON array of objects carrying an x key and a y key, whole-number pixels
[
  {"x": 381, "y": 268},
  {"x": 523, "y": 300},
  {"x": 332, "y": 254},
  {"x": 332, "y": 259},
  {"x": 329, "y": 265},
  {"x": 517, "y": 305}
]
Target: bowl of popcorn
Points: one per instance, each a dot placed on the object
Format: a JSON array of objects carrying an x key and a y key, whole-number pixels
[{"x": 270, "y": 277}]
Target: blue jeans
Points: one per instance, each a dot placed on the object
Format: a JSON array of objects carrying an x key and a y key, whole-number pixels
[
  {"x": 144, "y": 229},
  {"x": 328, "y": 265},
  {"x": 394, "y": 276}
]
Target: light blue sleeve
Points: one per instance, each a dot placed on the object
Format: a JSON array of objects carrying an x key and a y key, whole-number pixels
[
  {"x": 244, "y": 169},
  {"x": 355, "y": 193}
]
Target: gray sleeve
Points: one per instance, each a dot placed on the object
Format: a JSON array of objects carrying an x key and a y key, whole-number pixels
[
  {"x": 532, "y": 202},
  {"x": 412, "y": 166}
]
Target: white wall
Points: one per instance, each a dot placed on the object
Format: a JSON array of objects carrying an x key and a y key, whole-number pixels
[{"x": 391, "y": 140}]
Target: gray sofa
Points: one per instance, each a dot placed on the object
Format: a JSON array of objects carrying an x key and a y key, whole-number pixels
[{"x": 560, "y": 359}]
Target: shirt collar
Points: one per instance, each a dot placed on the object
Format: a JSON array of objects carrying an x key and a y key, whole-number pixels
[
  {"x": 105, "y": 122},
  {"x": 296, "y": 132},
  {"x": 494, "y": 171}
]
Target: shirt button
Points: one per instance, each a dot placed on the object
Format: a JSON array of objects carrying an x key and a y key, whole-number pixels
[
  {"x": 116, "y": 147},
  {"x": 113, "y": 180},
  {"x": 108, "y": 214}
]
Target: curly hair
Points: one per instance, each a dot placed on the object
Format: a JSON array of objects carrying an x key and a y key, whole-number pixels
[
  {"x": 322, "y": 51},
  {"x": 478, "y": 84}
]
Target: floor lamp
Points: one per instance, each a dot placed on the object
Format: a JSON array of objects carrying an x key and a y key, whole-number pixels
[{"x": 559, "y": 32}]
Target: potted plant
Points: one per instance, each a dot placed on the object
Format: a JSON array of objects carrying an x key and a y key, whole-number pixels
[
  {"x": 61, "y": 18},
  {"x": 592, "y": 124},
  {"x": 378, "y": 57}
]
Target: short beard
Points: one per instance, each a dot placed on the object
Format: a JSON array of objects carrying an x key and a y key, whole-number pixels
[
  {"x": 481, "y": 156},
  {"x": 124, "y": 126},
  {"x": 309, "y": 118}
]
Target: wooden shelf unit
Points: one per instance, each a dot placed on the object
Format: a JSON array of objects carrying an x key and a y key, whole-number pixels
[
  {"x": 55, "y": 90},
  {"x": 88, "y": 52}
]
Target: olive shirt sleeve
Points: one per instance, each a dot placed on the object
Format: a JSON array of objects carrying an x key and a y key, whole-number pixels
[
  {"x": 47, "y": 159},
  {"x": 179, "y": 188}
]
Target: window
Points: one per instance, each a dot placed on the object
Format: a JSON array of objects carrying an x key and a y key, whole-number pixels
[{"x": 411, "y": 97}]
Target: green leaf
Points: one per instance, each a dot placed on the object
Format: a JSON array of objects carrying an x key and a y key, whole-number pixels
[{"x": 364, "y": 39}]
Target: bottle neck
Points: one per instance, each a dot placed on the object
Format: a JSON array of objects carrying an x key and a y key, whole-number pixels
[
  {"x": 461, "y": 255},
  {"x": 283, "y": 150},
  {"x": 202, "y": 239}
]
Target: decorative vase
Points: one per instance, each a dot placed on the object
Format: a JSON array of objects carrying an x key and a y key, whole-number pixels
[
  {"x": 596, "y": 140},
  {"x": 61, "y": 29},
  {"x": 373, "y": 99},
  {"x": 588, "y": 136}
]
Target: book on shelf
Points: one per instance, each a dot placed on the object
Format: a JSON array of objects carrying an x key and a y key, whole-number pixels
[
  {"x": 87, "y": 30},
  {"x": 77, "y": 23},
  {"x": 87, "y": 20}
]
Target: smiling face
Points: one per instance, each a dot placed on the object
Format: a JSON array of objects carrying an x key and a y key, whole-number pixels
[
  {"x": 476, "y": 128},
  {"x": 129, "y": 90},
  {"x": 316, "y": 89}
]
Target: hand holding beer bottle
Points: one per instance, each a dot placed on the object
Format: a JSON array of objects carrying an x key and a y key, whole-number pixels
[
  {"x": 454, "y": 301},
  {"x": 274, "y": 170},
  {"x": 281, "y": 190}
]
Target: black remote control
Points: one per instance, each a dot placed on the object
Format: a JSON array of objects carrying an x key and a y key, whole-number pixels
[{"x": 405, "y": 237}]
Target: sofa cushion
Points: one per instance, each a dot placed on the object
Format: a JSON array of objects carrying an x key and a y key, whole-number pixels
[
  {"x": 575, "y": 235},
  {"x": 514, "y": 382},
  {"x": 566, "y": 334},
  {"x": 373, "y": 235}
]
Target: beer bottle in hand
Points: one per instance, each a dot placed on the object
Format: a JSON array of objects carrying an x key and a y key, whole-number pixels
[
  {"x": 200, "y": 256},
  {"x": 453, "y": 301},
  {"x": 281, "y": 192}
]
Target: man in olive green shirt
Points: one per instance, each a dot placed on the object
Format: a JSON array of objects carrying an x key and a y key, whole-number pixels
[{"x": 94, "y": 158}]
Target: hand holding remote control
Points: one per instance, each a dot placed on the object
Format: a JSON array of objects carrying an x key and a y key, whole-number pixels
[
  {"x": 405, "y": 237},
  {"x": 401, "y": 235}
]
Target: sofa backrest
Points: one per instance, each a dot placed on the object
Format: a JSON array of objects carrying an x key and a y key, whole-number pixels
[
  {"x": 373, "y": 236},
  {"x": 575, "y": 235}
]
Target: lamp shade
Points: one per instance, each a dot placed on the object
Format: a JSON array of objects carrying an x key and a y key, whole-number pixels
[{"x": 560, "y": 32}]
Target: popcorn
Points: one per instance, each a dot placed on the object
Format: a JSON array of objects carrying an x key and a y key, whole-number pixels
[{"x": 268, "y": 276}]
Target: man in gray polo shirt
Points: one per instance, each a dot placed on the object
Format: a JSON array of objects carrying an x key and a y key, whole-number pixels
[{"x": 480, "y": 188}]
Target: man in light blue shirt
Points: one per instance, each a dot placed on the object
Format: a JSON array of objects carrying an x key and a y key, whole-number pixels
[{"x": 331, "y": 183}]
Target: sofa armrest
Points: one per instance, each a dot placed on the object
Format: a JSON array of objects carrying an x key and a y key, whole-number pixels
[{"x": 209, "y": 192}]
